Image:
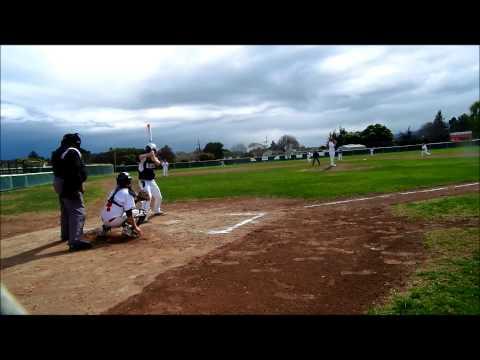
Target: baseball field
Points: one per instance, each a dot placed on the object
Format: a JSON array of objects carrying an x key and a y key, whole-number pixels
[{"x": 384, "y": 234}]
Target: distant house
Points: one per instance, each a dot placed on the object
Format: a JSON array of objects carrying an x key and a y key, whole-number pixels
[{"x": 461, "y": 136}]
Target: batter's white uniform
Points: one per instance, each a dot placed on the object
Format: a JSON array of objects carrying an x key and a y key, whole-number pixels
[
  {"x": 114, "y": 215},
  {"x": 331, "y": 152},
  {"x": 150, "y": 186}
]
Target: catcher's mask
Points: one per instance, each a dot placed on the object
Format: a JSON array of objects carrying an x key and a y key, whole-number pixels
[
  {"x": 150, "y": 147},
  {"x": 124, "y": 179}
]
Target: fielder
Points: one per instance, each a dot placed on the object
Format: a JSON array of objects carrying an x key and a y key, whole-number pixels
[
  {"x": 340, "y": 154},
  {"x": 331, "y": 151},
  {"x": 120, "y": 210},
  {"x": 146, "y": 177},
  {"x": 425, "y": 150},
  {"x": 165, "y": 167},
  {"x": 309, "y": 156}
]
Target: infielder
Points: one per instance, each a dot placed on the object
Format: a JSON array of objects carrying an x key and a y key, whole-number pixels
[
  {"x": 120, "y": 210},
  {"x": 146, "y": 176},
  {"x": 425, "y": 150},
  {"x": 331, "y": 151}
]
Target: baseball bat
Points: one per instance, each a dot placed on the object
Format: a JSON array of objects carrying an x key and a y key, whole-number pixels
[{"x": 149, "y": 132}]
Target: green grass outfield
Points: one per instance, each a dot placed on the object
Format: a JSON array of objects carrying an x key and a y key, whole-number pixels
[
  {"x": 361, "y": 175},
  {"x": 449, "y": 283}
]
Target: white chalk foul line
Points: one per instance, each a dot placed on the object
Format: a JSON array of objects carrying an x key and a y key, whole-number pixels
[
  {"x": 464, "y": 185},
  {"x": 387, "y": 195},
  {"x": 341, "y": 202},
  {"x": 423, "y": 191},
  {"x": 242, "y": 214},
  {"x": 231, "y": 228}
]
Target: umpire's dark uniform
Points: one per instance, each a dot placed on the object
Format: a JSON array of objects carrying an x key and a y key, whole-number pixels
[
  {"x": 70, "y": 174},
  {"x": 316, "y": 157}
]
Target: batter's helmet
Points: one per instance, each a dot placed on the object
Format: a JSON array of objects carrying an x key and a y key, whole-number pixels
[
  {"x": 124, "y": 179},
  {"x": 150, "y": 147}
]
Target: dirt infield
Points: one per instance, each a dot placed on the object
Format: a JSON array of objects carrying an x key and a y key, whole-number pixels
[{"x": 283, "y": 258}]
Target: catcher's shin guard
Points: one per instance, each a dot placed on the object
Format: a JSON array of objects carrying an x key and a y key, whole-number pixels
[{"x": 141, "y": 217}]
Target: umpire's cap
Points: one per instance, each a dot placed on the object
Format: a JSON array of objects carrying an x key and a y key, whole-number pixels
[{"x": 71, "y": 140}]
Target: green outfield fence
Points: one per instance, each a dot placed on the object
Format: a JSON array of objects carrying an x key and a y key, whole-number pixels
[{"x": 19, "y": 181}]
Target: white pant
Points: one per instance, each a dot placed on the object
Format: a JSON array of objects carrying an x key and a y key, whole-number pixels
[
  {"x": 155, "y": 195},
  {"x": 332, "y": 157},
  {"x": 340, "y": 156},
  {"x": 165, "y": 171},
  {"x": 119, "y": 220},
  {"x": 425, "y": 152}
]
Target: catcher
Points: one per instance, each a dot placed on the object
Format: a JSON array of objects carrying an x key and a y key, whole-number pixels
[{"x": 120, "y": 209}]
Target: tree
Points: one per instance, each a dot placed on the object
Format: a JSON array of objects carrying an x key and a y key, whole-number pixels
[
  {"x": 475, "y": 119},
  {"x": 354, "y": 137},
  {"x": 214, "y": 148},
  {"x": 407, "y": 138},
  {"x": 255, "y": 149},
  {"x": 166, "y": 153},
  {"x": 203, "y": 156},
  {"x": 377, "y": 135},
  {"x": 239, "y": 149},
  {"x": 453, "y": 125},
  {"x": 287, "y": 142},
  {"x": 254, "y": 145},
  {"x": 273, "y": 146},
  {"x": 182, "y": 156},
  {"x": 435, "y": 131},
  {"x": 440, "y": 128},
  {"x": 33, "y": 155}
]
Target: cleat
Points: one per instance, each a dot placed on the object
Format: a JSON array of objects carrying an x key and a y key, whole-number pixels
[{"x": 81, "y": 245}]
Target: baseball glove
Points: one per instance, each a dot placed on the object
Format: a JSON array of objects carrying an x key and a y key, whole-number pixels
[{"x": 143, "y": 196}]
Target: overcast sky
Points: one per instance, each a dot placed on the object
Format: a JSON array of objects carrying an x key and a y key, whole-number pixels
[{"x": 230, "y": 94}]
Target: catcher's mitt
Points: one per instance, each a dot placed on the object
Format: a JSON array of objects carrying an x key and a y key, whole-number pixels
[{"x": 142, "y": 196}]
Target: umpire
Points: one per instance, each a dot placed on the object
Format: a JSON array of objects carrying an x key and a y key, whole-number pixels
[
  {"x": 316, "y": 157},
  {"x": 69, "y": 176}
]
